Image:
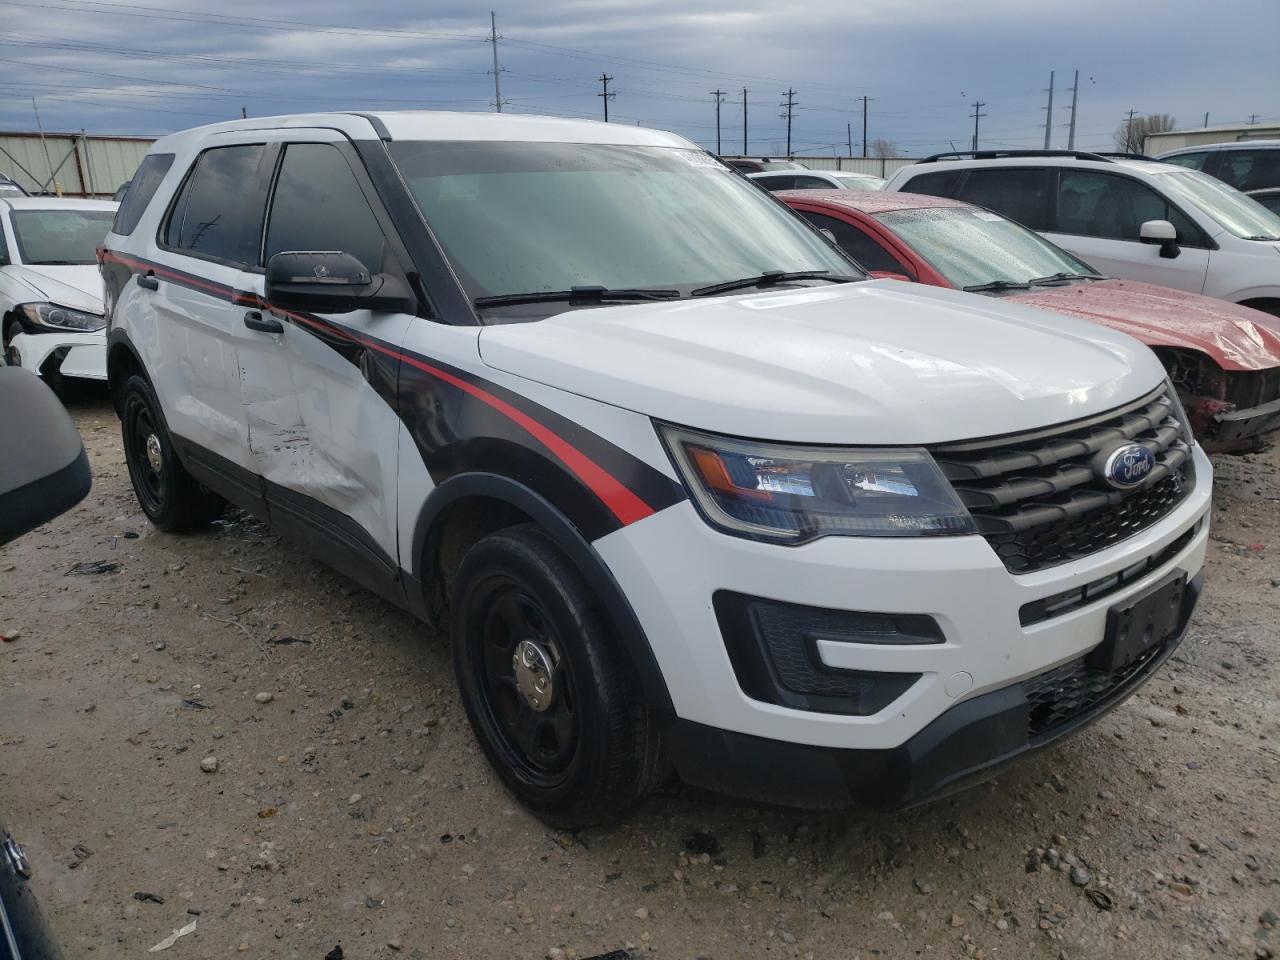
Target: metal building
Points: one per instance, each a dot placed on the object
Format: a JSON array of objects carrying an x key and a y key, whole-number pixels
[
  {"x": 72, "y": 164},
  {"x": 1158, "y": 143}
]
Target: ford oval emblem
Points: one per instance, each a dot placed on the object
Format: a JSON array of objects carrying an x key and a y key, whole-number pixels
[{"x": 1128, "y": 466}]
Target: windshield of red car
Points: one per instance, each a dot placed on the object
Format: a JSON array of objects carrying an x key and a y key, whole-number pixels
[{"x": 970, "y": 246}]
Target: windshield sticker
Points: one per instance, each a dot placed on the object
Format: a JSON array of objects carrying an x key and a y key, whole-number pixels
[
  {"x": 987, "y": 215},
  {"x": 698, "y": 158}
]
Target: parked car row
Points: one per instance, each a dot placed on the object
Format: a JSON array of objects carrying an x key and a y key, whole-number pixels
[
  {"x": 1223, "y": 359},
  {"x": 687, "y": 487}
]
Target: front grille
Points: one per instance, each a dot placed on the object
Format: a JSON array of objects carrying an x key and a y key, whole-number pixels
[
  {"x": 1038, "y": 499},
  {"x": 1074, "y": 689}
]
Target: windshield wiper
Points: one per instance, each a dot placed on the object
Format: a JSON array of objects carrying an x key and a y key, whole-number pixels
[
  {"x": 574, "y": 295},
  {"x": 768, "y": 279},
  {"x": 997, "y": 285},
  {"x": 1061, "y": 277}
]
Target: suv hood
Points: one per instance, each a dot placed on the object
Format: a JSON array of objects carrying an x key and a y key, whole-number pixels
[
  {"x": 1237, "y": 338},
  {"x": 875, "y": 362},
  {"x": 78, "y": 287}
]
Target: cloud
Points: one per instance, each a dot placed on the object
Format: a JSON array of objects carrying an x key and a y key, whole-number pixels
[{"x": 92, "y": 64}]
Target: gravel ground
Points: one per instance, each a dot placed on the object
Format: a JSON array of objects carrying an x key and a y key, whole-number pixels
[{"x": 349, "y": 805}]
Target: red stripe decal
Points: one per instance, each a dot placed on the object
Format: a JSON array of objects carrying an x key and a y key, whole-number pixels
[
  {"x": 620, "y": 500},
  {"x": 624, "y": 504}
]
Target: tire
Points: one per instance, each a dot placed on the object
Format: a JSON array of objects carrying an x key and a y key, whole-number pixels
[
  {"x": 168, "y": 495},
  {"x": 591, "y": 750},
  {"x": 11, "y": 358}
]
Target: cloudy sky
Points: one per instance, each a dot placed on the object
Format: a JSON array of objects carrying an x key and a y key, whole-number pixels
[{"x": 140, "y": 67}]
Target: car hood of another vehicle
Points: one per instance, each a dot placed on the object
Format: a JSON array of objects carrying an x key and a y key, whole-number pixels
[
  {"x": 1236, "y": 337},
  {"x": 876, "y": 362},
  {"x": 78, "y": 286}
]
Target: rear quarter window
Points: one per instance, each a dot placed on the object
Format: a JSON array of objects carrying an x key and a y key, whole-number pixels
[
  {"x": 940, "y": 183},
  {"x": 143, "y": 186},
  {"x": 218, "y": 212}
]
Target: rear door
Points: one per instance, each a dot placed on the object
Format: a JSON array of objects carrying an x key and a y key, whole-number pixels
[
  {"x": 329, "y": 423},
  {"x": 1099, "y": 216},
  {"x": 207, "y": 240}
]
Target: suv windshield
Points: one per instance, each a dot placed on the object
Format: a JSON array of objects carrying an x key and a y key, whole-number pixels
[
  {"x": 972, "y": 247},
  {"x": 517, "y": 218},
  {"x": 1230, "y": 209},
  {"x": 57, "y": 237}
]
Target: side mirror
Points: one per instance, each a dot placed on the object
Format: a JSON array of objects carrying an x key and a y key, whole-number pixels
[
  {"x": 44, "y": 470},
  {"x": 888, "y": 275},
  {"x": 325, "y": 281},
  {"x": 1162, "y": 233}
]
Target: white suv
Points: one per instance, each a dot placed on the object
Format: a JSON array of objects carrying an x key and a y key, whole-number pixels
[
  {"x": 684, "y": 485},
  {"x": 1137, "y": 219}
]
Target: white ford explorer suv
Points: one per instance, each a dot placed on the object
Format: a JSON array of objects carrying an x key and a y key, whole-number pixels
[
  {"x": 687, "y": 489},
  {"x": 1131, "y": 218}
]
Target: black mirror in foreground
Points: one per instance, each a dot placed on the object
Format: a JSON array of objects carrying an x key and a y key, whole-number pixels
[
  {"x": 43, "y": 467},
  {"x": 324, "y": 281}
]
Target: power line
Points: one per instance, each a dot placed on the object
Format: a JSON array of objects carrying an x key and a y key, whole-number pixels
[{"x": 605, "y": 95}]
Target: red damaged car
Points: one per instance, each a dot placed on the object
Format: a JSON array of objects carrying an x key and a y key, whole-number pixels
[{"x": 1223, "y": 359}]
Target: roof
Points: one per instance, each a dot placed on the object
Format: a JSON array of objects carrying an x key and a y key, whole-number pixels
[
  {"x": 1058, "y": 159},
  {"x": 58, "y": 203},
  {"x": 454, "y": 126},
  {"x": 872, "y": 202},
  {"x": 1225, "y": 145}
]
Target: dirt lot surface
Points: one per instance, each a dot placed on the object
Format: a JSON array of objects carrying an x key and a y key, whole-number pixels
[{"x": 350, "y": 806}]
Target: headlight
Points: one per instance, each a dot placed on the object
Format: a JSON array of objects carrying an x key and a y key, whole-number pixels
[
  {"x": 54, "y": 317},
  {"x": 792, "y": 494}
]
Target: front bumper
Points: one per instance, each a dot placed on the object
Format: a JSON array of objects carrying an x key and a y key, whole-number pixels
[
  {"x": 995, "y": 633},
  {"x": 1230, "y": 429},
  {"x": 964, "y": 746},
  {"x": 82, "y": 355}
]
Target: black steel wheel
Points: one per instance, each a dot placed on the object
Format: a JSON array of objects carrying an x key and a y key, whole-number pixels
[
  {"x": 168, "y": 495},
  {"x": 553, "y": 700}
]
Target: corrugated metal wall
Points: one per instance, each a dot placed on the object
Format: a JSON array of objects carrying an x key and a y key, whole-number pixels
[
  {"x": 1158, "y": 143},
  {"x": 79, "y": 166}
]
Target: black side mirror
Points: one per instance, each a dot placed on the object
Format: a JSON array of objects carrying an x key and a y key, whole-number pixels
[
  {"x": 44, "y": 470},
  {"x": 324, "y": 281}
]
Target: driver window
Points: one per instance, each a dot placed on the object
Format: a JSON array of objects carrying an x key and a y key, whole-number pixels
[
  {"x": 318, "y": 205},
  {"x": 1103, "y": 205}
]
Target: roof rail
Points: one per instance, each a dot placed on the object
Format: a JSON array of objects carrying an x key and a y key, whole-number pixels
[
  {"x": 1121, "y": 155},
  {"x": 998, "y": 154}
]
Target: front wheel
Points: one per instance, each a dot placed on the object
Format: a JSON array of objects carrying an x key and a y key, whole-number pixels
[
  {"x": 555, "y": 704},
  {"x": 170, "y": 497},
  {"x": 12, "y": 357}
]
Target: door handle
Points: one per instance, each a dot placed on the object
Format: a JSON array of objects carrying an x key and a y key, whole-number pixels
[
  {"x": 147, "y": 281},
  {"x": 254, "y": 320}
]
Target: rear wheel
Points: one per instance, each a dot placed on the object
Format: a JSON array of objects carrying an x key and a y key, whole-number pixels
[
  {"x": 555, "y": 704},
  {"x": 169, "y": 496}
]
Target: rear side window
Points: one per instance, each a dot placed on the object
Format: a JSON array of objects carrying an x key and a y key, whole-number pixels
[
  {"x": 1019, "y": 194},
  {"x": 939, "y": 184},
  {"x": 812, "y": 183},
  {"x": 1250, "y": 169},
  {"x": 1195, "y": 161},
  {"x": 774, "y": 184},
  {"x": 866, "y": 250},
  {"x": 218, "y": 214},
  {"x": 1092, "y": 204},
  {"x": 146, "y": 179},
  {"x": 319, "y": 205}
]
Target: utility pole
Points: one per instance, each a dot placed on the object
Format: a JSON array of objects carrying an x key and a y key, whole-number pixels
[
  {"x": 848, "y": 130},
  {"x": 744, "y": 121},
  {"x": 1075, "y": 89},
  {"x": 244, "y": 112},
  {"x": 790, "y": 105},
  {"x": 1128, "y": 133},
  {"x": 719, "y": 95},
  {"x": 977, "y": 115},
  {"x": 605, "y": 95},
  {"x": 865, "y": 98},
  {"x": 1253, "y": 118},
  {"x": 493, "y": 39},
  {"x": 1206, "y": 118},
  {"x": 1048, "y": 115}
]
